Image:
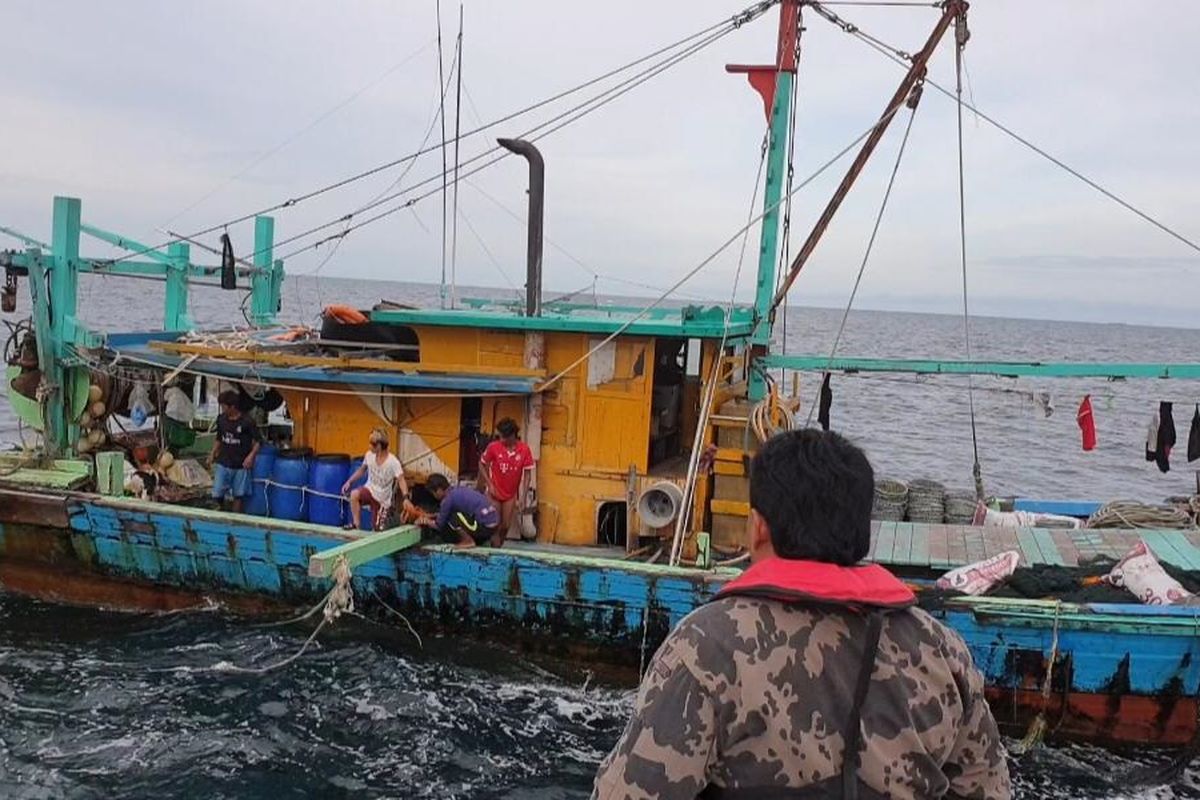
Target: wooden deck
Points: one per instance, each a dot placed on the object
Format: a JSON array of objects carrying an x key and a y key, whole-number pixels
[{"x": 947, "y": 546}]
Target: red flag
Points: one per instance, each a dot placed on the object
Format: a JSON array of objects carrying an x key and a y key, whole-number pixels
[{"x": 1087, "y": 424}]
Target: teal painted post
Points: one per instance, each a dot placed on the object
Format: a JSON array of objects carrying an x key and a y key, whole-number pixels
[
  {"x": 262, "y": 309},
  {"x": 64, "y": 327},
  {"x": 769, "y": 240},
  {"x": 175, "y": 311}
]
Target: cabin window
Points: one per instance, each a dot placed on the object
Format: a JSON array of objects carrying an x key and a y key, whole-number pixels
[{"x": 612, "y": 524}]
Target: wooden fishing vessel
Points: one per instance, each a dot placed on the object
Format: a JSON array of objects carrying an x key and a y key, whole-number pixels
[{"x": 641, "y": 420}]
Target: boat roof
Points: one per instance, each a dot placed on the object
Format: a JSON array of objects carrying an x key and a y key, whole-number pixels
[
  {"x": 689, "y": 322},
  {"x": 146, "y": 349}
]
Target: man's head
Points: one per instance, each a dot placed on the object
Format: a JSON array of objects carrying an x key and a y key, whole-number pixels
[
  {"x": 437, "y": 485},
  {"x": 229, "y": 401},
  {"x": 508, "y": 430},
  {"x": 810, "y": 498},
  {"x": 378, "y": 441}
]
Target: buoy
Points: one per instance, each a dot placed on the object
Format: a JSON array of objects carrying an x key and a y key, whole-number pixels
[
  {"x": 166, "y": 460},
  {"x": 95, "y": 436},
  {"x": 84, "y": 446},
  {"x": 95, "y": 393},
  {"x": 85, "y": 420},
  {"x": 97, "y": 410}
]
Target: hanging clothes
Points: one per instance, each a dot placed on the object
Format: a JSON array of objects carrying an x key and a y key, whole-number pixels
[
  {"x": 1152, "y": 438},
  {"x": 1166, "y": 437},
  {"x": 1194, "y": 437},
  {"x": 825, "y": 403},
  {"x": 1087, "y": 423}
]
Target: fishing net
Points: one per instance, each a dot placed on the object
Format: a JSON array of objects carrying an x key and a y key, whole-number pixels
[
  {"x": 891, "y": 500},
  {"x": 926, "y": 501},
  {"x": 960, "y": 506}
]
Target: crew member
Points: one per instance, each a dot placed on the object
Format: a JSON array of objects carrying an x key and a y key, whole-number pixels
[
  {"x": 809, "y": 675},
  {"x": 385, "y": 481},
  {"x": 233, "y": 452},
  {"x": 465, "y": 516},
  {"x": 505, "y": 466}
]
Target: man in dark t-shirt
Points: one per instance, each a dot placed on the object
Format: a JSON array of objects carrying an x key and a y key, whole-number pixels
[{"x": 233, "y": 453}]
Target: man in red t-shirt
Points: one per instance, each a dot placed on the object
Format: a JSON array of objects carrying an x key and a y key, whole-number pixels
[{"x": 504, "y": 466}]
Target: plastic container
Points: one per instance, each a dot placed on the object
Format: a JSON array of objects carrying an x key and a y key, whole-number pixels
[
  {"x": 326, "y": 474},
  {"x": 264, "y": 462},
  {"x": 289, "y": 477}
]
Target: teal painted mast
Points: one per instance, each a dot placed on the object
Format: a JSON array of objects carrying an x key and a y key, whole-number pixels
[
  {"x": 53, "y": 271},
  {"x": 774, "y": 83}
]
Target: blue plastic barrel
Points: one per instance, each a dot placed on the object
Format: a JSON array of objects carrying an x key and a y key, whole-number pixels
[
  {"x": 264, "y": 462},
  {"x": 285, "y": 495},
  {"x": 326, "y": 474}
]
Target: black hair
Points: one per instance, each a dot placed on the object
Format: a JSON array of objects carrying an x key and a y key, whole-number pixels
[
  {"x": 436, "y": 483},
  {"x": 230, "y": 398},
  {"x": 814, "y": 489},
  {"x": 507, "y": 427}
]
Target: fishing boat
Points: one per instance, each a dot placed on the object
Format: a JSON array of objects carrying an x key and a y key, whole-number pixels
[{"x": 641, "y": 419}]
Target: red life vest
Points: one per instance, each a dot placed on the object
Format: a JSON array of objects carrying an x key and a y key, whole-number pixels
[
  {"x": 1087, "y": 423},
  {"x": 794, "y": 580}
]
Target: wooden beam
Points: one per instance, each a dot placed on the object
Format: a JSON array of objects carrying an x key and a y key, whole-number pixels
[
  {"x": 360, "y": 551},
  {"x": 739, "y": 508},
  {"x": 289, "y": 360},
  {"x": 1011, "y": 369}
]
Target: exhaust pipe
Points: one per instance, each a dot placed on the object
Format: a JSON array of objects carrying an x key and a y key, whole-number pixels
[{"x": 537, "y": 183}]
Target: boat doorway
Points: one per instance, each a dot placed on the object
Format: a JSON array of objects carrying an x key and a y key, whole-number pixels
[{"x": 676, "y": 384}]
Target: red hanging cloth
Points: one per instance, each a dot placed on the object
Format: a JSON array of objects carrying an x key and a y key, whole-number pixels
[{"x": 1087, "y": 423}]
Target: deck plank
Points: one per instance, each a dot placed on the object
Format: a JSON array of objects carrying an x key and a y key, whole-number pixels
[
  {"x": 939, "y": 547},
  {"x": 1183, "y": 543},
  {"x": 973, "y": 537},
  {"x": 874, "y": 539},
  {"x": 1048, "y": 547},
  {"x": 1167, "y": 549},
  {"x": 902, "y": 551},
  {"x": 919, "y": 556},
  {"x": 1031, "y": 553},
  {"x": 886, "y": 543},
  {"x": 956, "y": 545},
  {"x": 1066, "y": 546}
]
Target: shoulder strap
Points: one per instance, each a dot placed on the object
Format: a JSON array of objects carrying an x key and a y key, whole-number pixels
[{"x": 852, "y": 734}]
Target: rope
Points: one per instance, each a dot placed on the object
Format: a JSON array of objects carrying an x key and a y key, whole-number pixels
[
  {"x": 1037, "y": 729},
  {"x": 339, "y": 600},
  {"x": 692, "y": 479},
  {"x": 712, "y": 256},
  {"x": 891, "y": 53},
  {"x": 1131, "y": 514},
  {"x": 961, "y": 34},
  {"x": 913, "y": 100}
]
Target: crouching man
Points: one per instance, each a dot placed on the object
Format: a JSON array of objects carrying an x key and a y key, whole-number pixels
[
  {"x": 466, "y": 517},
  {"x": 810, "y": 675}
]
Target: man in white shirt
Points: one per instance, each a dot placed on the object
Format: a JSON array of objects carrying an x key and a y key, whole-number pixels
[{"x": 385, "y": 475}]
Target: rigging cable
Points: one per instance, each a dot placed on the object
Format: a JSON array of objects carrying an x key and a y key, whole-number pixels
[
  {"x": 961, "y": 35},
  {"x": 913, "y": 100},
  {"x": 736, "y": 21},
  {"x": 710, "y": 390},
  {"x": 562, "y": 120},
  {"x": 457, "y": 120},
  {"x": 899, "y": 56},
  {"x": 442, "y": 117}
]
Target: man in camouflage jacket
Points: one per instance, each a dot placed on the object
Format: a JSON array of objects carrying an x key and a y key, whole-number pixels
[{"x": 757, "y": 693}]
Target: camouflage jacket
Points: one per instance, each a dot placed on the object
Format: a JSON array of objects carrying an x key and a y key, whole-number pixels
[{"x": 750, "y": 692}]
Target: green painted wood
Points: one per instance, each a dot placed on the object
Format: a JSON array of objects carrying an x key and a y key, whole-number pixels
[
  {"x": 1048, "y": 547},
  {"x": 886, "y": 543},
  {"x": 1170, "y": 546},
  {"x": 28, "y": 240},
  {"x": 367, "y": 548},
  {"x": 1030, "y": 550},
  {"x": 902, "y": 549},
  {"x": 1012, "y": 369},
  {"x": 262, "y": 305},
  {"x": 175, "y": 294},
  {"x": 939, "y": 547},
  {"x": 919, "y": 555},
  {"x": 689, "y": 322},
  {"x": 125, "y": 243},
  {"x": 764, "y": 292},
  {"x": 874, "y": 539}
]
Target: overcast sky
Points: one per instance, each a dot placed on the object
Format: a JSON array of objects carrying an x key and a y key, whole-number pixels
[{"x": 183, "y": 115}]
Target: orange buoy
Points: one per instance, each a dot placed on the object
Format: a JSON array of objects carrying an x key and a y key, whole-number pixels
[{"x": 347, "y": 315}]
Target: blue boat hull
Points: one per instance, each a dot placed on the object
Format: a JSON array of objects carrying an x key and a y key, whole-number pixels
[{"x": 1121, "y": 673}]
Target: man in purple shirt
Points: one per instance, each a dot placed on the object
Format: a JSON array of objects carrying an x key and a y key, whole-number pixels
[{"x": 466, "y": 517}]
